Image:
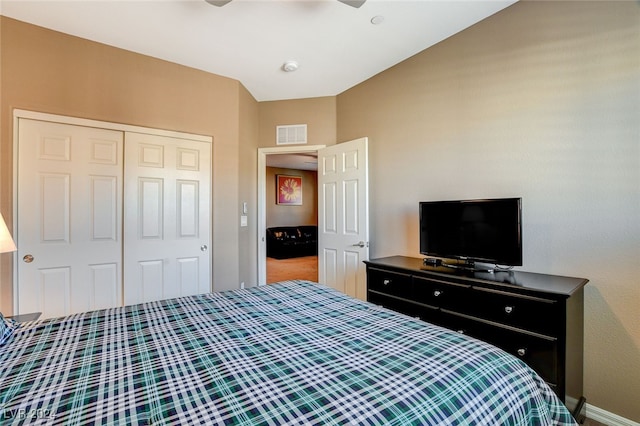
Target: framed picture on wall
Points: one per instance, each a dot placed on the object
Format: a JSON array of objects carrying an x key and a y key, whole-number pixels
[{"x": 289, "y": 190}]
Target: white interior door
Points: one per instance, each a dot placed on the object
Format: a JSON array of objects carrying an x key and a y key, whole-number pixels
[
  {"x": 167, "y": 217},
  {"x": 69, "y": 192},
  {"x": 343, "y": 216}
]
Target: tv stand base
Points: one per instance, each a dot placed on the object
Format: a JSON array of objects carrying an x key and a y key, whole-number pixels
[{"x": 467, "y": 266}]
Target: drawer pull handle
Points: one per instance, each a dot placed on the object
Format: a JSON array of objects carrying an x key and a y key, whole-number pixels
[
  {"x": 522, "y": 352},
  {"x": 386, "y": 282},
  {"x": 437, "y": 293},
  {"x": 508, "y": 309}
]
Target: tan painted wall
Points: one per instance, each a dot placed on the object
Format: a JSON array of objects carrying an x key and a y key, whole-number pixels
[
  {"x": 248, "y": 181},
  {"x": 540, "y": 101},
  {"x": 319, "y": 114},
  {"x": 51, "y": 72},
  {"x": 283, "y": 215}
]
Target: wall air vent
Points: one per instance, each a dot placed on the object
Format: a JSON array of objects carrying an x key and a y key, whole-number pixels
[{"x": 291, "y": 135}]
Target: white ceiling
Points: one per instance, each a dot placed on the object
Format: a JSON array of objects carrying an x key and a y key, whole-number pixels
[
  {"x": 301, "y": 161},
  {"x": 335, "y": 45}
]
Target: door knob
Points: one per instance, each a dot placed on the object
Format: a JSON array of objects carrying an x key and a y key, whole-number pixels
[
  {"x": 204, "y": 248},
  {"x": 27, "y": 258},
  {"x": 360, "y": 244}
]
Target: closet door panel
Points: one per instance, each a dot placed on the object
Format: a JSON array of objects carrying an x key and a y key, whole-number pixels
[
  {"x": 69, "y": 217},
  {"x": 167, "y": 217}
]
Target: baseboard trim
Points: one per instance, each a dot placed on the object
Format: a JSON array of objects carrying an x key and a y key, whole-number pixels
[
  {"x": 599, "y": 415},
  {"x": 609, "y": 419}
]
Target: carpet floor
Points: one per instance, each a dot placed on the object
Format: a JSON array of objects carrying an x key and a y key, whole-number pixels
[{"x": 303, "y": 268}]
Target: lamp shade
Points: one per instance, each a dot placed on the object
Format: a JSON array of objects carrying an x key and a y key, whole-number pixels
[{"x": 6, "y": 242}]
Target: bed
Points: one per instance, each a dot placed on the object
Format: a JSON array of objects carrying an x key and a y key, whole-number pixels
[{"x": 286, "y": 354}]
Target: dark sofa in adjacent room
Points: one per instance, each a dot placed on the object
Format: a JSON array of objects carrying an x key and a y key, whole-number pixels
[{"x": 284, "y": 242}]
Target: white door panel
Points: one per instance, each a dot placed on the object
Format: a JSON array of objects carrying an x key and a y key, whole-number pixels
[
  {"x": 105, "y": 294},
  {"x": 343, "y": 217},
  {"x": 167, "y": 217},
  {"x": 69, "y": 215}
]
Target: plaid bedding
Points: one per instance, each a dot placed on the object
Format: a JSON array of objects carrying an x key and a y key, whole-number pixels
[{"x": 287, "y": 354}]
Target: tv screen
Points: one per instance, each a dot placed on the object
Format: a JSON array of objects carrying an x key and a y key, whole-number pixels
[{"x": 487, "y": 230}]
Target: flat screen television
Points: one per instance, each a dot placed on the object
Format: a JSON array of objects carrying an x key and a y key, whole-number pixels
[{"x": 482, "y": 230}]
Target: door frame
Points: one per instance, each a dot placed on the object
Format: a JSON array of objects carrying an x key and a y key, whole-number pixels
[
  {"x": 262, "y": 200},
  {"x": 63, "y": 119}
]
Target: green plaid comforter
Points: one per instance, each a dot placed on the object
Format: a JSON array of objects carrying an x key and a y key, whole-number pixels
[{"x": 287, "y": 354}]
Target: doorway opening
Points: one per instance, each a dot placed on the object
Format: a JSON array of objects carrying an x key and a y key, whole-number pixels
[{"x": 282, "y": 159}]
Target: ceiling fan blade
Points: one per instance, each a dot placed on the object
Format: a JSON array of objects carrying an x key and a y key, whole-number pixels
[
  {"x": 218, "y": 3},
  {"x": 352, "y": 3}
]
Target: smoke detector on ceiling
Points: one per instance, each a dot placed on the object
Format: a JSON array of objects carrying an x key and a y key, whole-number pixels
[{"x": 290, "y": 66}]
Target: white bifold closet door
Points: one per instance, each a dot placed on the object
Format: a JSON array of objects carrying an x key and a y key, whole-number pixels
[
  {"x": 166, "y": 217},
  {"x": 69, "y": 218},
  {"x": 77, "y": 251}
]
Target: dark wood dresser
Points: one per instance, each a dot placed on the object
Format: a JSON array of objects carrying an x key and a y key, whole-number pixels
[{"x": 536, "y": 317}]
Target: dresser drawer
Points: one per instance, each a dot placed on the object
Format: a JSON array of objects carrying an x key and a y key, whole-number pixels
[
  {"x": 393, "y": 303},
  {"x": 538, "y": 352},
  {"x": 529, "y": 313},
  {"x": 441, "y": 294},
  {"x": 430, "y": 315},
  {"x": 394, "y": 283}
]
